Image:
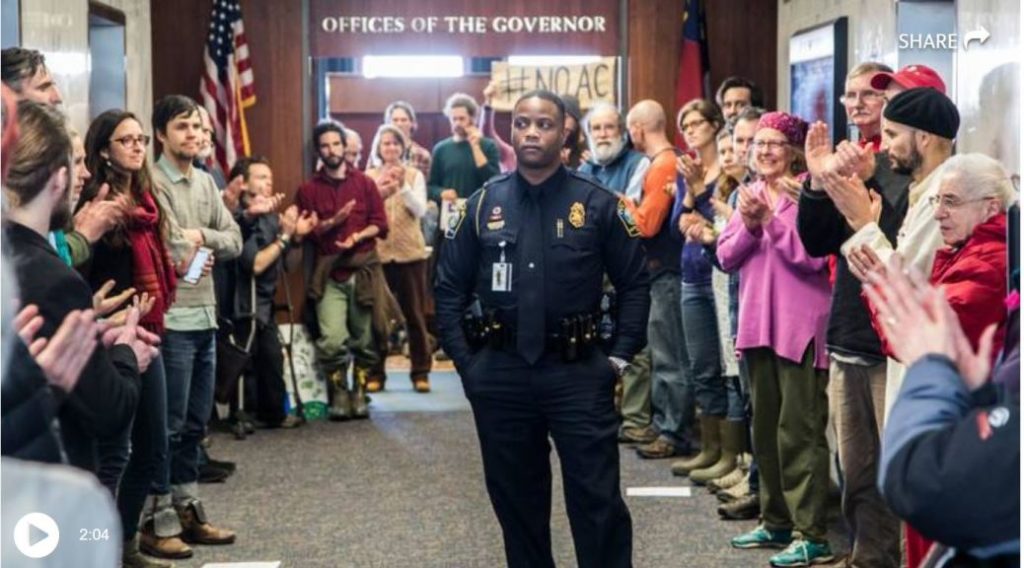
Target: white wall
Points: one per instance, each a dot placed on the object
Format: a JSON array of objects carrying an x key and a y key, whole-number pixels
[
  {"x": 987, "y": 78},
  {"x": 60, "y": 29}
]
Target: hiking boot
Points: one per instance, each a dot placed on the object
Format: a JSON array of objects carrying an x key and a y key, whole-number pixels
[
  {"x": 374, "y": 384},
  {"x": 803, "y": 553},
  {"x": 734, "y": 477},
  {"x": 634, "y": 435},
  {"x": 743, "y": 509},
  {"x": 660, "y": 448},
  {"x": 131, "y": 557},
  {"x": 162, "y": 546},
  {"x": 710, "y": 448},
  {"x": 763, "y": 538},
  {"x": 738, "y": 491},
  {"x": 196, "y": 529}
]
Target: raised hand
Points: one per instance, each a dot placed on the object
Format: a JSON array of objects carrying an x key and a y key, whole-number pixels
[
  {"x": 306, "y": 223},
  {"x": 851, "y": 159},
  {"x": 63, "y": 356},
  {"x": 693, "y": 171},
  {"x": 99, "y": 215},
  {"x": 289, "y": 219},
  {"x": 818, "y": 152},
  {"x": 232, "y": 194},
  {"x": 852, "y": 199},
  {"x": 104, "y": 305}
]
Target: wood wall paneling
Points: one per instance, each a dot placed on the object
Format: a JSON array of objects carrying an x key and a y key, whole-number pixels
[{"x": 741, "y": 41}]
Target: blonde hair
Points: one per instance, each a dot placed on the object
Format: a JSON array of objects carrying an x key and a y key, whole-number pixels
[{"x": 375, "y": 157}]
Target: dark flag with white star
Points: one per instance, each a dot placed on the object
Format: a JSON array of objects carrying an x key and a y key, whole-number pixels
[{"x": 227, "y": 83}]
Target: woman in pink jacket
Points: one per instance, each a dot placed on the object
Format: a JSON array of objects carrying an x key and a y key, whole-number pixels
[{"x": 784, "y": 302}]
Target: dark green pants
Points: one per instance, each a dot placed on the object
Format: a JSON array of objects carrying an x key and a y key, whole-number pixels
[{"x": 790, "y": 416}]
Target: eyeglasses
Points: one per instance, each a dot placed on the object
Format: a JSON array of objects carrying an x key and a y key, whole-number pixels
[
  {"x": 772, "y": 145},
  {"x": 866, "y": 96},
  {"x": 129, "y": 141},
  {"x": 692, "y": 124},
  {"x": 949, "y": 202}
]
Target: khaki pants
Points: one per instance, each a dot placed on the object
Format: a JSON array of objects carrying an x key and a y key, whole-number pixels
[
  {"x": 636, "y": 392},
  {"x": 344, "y": 329},
  {"x": 790, "y": 417},
  {"x": 856, "y": 400}
]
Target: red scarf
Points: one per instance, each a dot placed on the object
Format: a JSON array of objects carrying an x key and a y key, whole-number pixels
[{"x": 153, "y": 270}]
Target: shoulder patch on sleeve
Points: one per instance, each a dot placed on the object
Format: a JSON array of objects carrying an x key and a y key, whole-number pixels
[
  {"x": 626, "y": 216},
  {"x": 455, "y": 221}
]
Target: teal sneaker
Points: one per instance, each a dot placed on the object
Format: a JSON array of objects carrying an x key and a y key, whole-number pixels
[
  {"x": 763, "y": 538},
  {"x": 803, "y": 553}
]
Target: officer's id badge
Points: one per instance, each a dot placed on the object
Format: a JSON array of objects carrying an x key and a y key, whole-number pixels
[
  {"x": 456, "y": 215},
  {"x": 501, "y": 272},
  {"x": 626, "y": 216},
  {"x": 577, "y": 215},
  {"x": 495, "y": 221}
]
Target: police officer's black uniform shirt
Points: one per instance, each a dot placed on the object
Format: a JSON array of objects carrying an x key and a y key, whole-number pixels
[{"x": 578, "y": 230}]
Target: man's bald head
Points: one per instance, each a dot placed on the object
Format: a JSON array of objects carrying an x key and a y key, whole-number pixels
[
  {"x": 648, "y": 115},
  {"x": 646, "y": 125}
]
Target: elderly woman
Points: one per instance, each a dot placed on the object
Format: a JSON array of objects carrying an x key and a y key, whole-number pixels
[
  {"x": 404, "y": 252},
  {"x": 784, "y": 301},
  {"x": 970, "y": 206}
]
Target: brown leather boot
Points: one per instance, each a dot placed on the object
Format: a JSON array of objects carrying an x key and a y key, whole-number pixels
[
  {"x": 131, "y": 557},
  {"x": 196, "y": 529},
  {"x": 162, "y": 546}
]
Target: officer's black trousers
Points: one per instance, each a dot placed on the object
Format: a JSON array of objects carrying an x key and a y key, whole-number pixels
[{"x": 516, "y": 407}]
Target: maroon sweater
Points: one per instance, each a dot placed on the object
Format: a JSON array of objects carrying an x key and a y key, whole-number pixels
[{"x": 326, "y": 195}]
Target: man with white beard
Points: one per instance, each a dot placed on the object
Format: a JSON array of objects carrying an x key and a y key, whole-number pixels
[
  {"x": 617, "y": 166},
  {"x": 613, "y": 161}
]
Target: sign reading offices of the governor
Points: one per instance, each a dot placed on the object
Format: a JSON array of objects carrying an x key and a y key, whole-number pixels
[
  {"x": 589, "y": 82},
  {"x": 355, "y": 28}
]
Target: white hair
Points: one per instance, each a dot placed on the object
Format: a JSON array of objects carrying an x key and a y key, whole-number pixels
[{"x": 981, "y": 176}]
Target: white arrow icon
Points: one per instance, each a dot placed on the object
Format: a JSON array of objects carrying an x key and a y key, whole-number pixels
[
  {"x": 36, "y": 535},
  {"x": 981, "y": 35}
]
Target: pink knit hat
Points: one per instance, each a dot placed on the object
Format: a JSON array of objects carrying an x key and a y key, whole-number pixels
[{"x": 792, "y": 126}]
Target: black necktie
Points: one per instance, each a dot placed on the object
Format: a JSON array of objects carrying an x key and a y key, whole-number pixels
[{"x": 530, "y": 312}]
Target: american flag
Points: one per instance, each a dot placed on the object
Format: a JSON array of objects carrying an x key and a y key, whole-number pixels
[{"x": 227, "y": 82}]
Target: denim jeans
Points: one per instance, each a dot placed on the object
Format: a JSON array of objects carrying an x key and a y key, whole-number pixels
[
  {"x": 190, "y": 362},
  {"x": 703, "y": 350},
  {"x": 671, "y": 383}
]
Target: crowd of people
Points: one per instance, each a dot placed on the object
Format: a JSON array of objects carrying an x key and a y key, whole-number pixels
[{"x": 785, "y": 273}]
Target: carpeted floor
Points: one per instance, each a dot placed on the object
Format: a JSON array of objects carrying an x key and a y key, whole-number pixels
[{"x": 405, "y": 489}]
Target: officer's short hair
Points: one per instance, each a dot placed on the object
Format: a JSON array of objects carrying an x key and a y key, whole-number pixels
[
  {"x": 327, "y": 125},
  {"x": 461, "y": 100},
  {"x": 18, "y": 64},
  {"x": 544, "y": 95}
]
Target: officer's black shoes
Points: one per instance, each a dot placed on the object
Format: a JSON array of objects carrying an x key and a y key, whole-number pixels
[
  {"x": 660, "y": 448},
  {"x": 633, "y": 435}
]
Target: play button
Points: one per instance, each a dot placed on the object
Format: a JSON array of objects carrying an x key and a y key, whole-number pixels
[{"x": 36, "y": 535}]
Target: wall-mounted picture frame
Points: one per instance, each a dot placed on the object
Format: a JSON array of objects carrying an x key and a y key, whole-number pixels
[{"x": 817, "y": 75}]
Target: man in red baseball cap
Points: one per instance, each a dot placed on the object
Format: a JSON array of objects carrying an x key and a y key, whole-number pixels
[{"x": 909, "y": 77}]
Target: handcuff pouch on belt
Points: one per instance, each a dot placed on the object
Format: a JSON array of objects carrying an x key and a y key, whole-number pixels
[{"x": 575, "y": 336}]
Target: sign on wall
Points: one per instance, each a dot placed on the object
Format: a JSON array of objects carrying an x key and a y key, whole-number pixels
[
  {"x": 590, "y": 82},
  {"x": 354, "y": 28}
]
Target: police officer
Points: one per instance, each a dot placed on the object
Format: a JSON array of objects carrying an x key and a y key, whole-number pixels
[{"x": 532, "y": 246}]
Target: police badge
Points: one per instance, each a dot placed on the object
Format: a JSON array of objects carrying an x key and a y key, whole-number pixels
[{"x": 577, "y": 215}]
